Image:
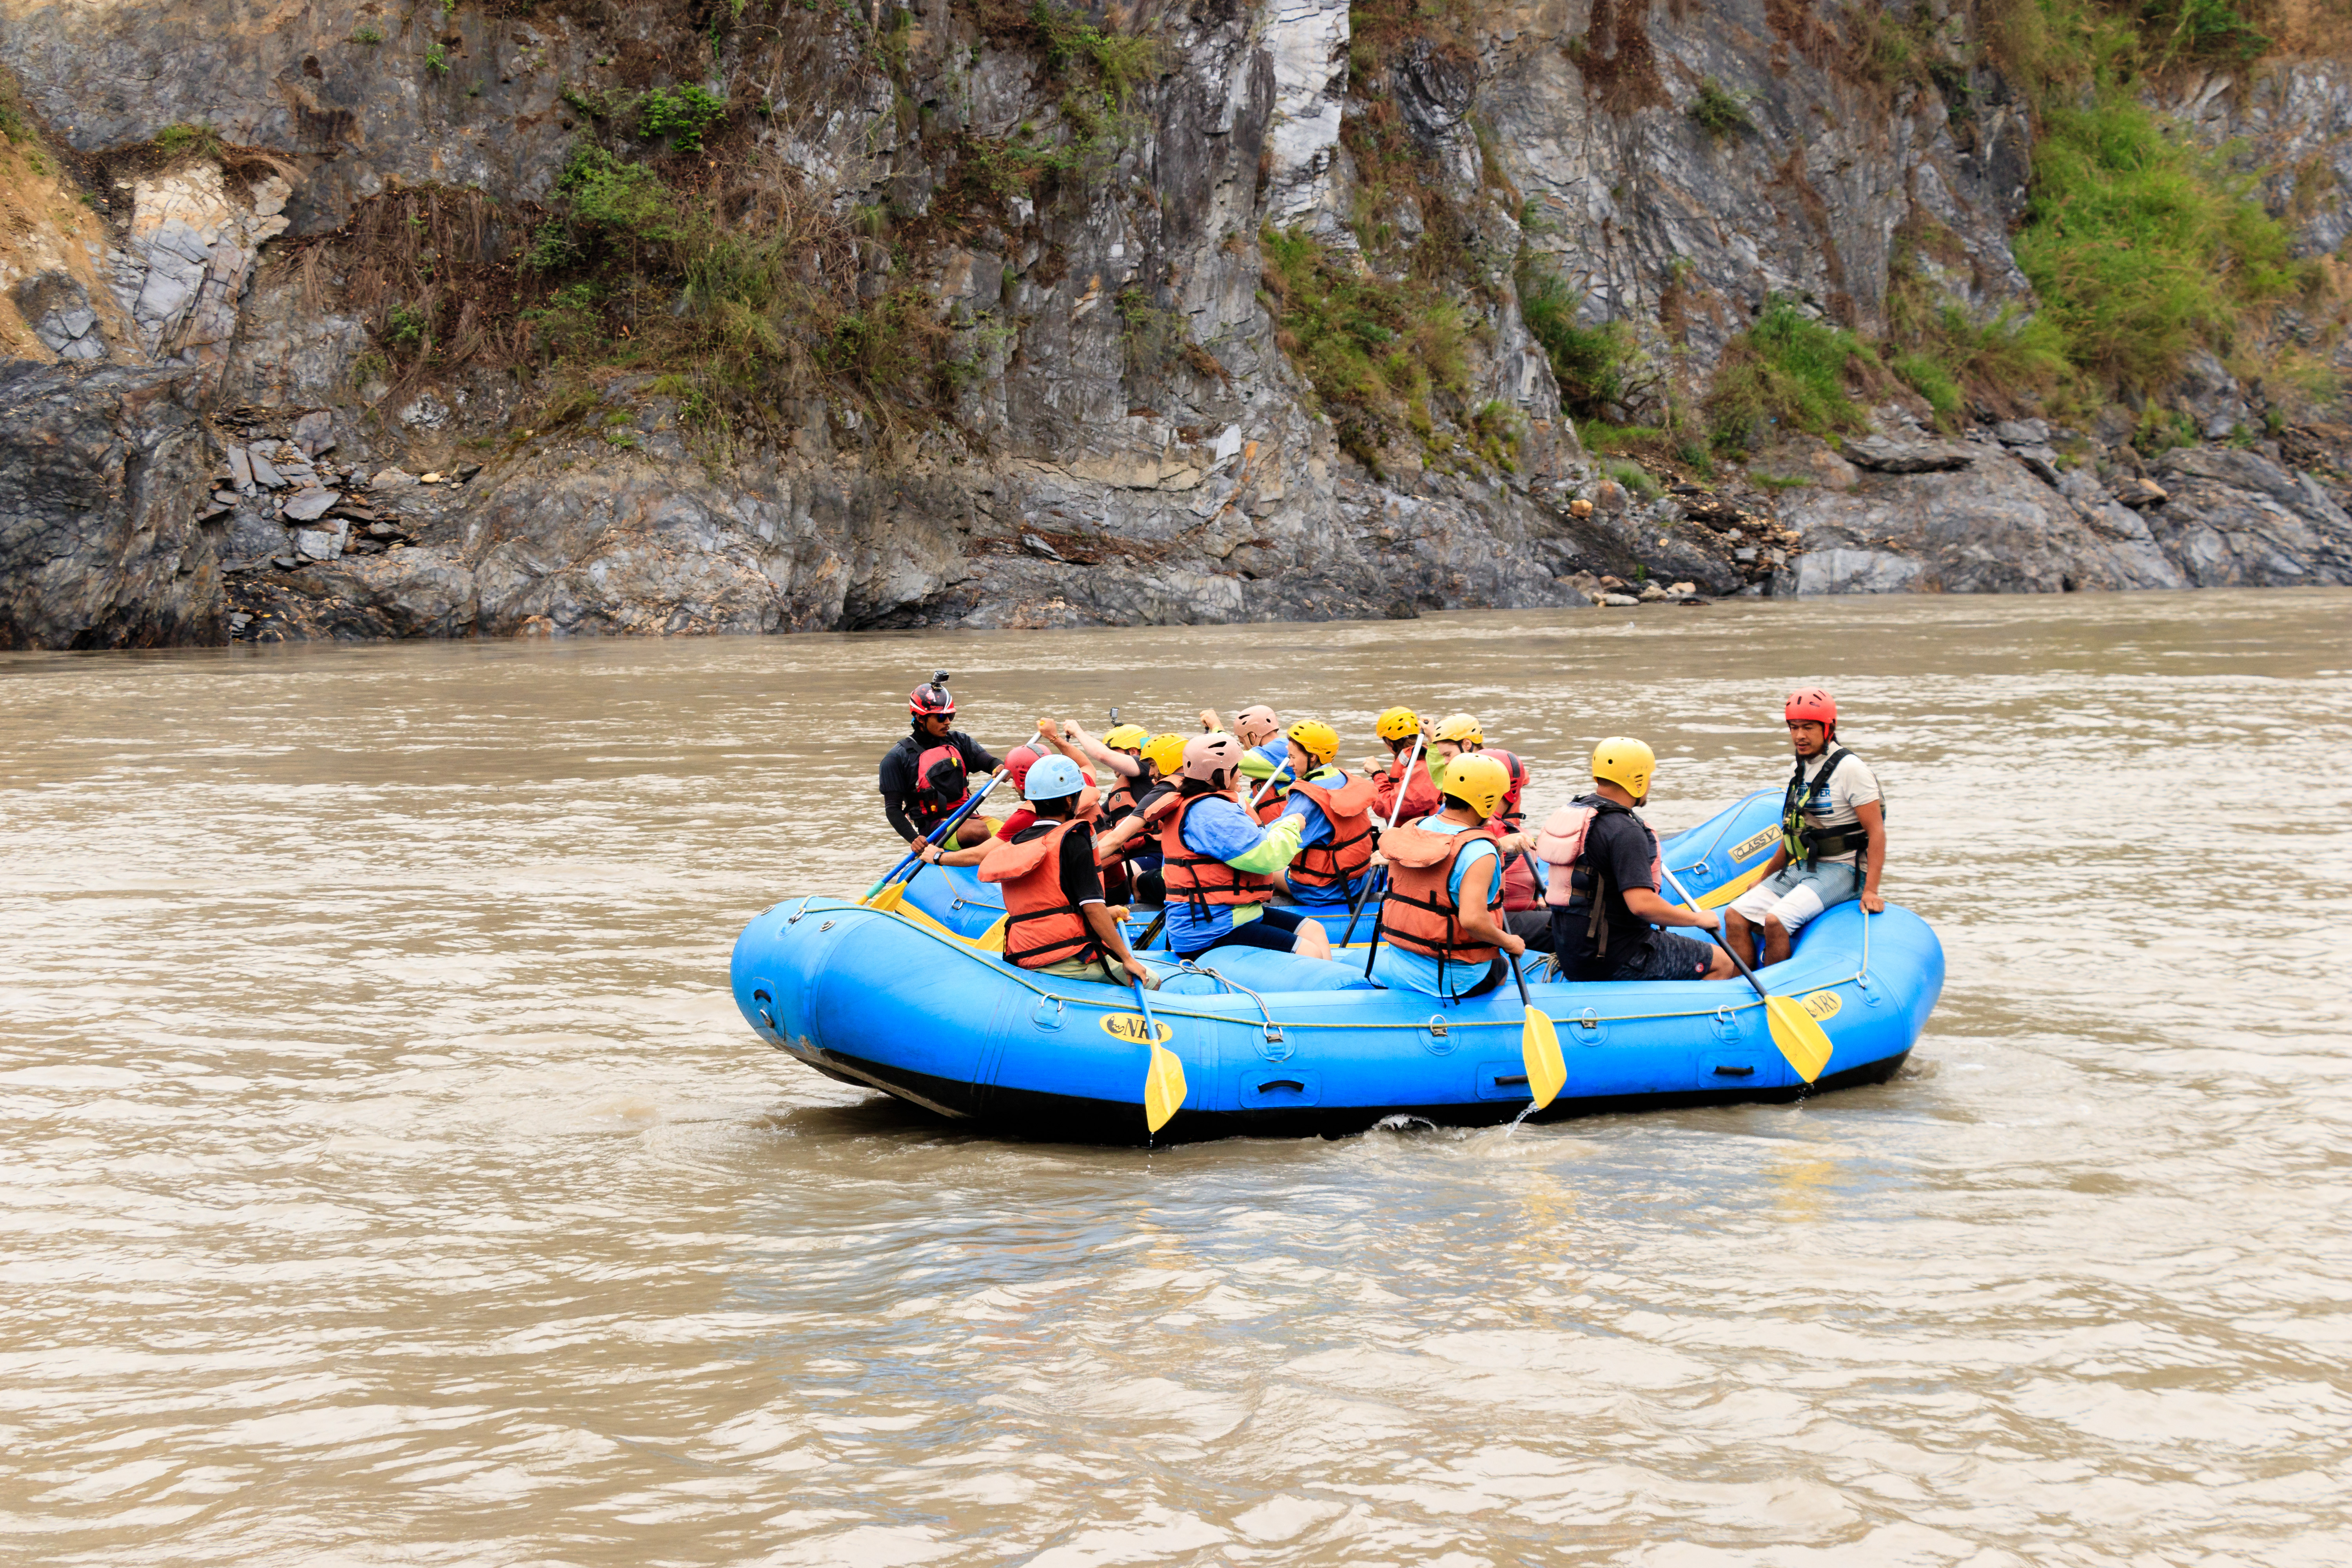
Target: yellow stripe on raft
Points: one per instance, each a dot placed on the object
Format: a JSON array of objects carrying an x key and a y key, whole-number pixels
[
  {"x": 1732, "y": 889},
  {"x": 990, "y": 941}
]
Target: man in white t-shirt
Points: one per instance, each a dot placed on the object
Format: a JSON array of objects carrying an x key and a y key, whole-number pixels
[{"x": 1833, "y": 836}]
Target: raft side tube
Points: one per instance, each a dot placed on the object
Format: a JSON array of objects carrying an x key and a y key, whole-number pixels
[{"x": 881, "y": 999}]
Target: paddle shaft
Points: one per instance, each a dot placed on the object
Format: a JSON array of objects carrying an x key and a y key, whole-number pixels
[
  {"x": 1403, "y": 780},
  {"x": 935, "y": 837},
  {"x": 1721, "y": 938}
]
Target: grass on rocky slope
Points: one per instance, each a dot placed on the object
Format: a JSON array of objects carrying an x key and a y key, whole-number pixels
[
  {"x": 1376, "y": 352},
  {"x": 2142, "y": 248}
]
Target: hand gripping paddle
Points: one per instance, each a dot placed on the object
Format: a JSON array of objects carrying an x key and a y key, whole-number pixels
[
  {"x": 887, "y": 893},
  {"x": 1797, "y": 1033}
]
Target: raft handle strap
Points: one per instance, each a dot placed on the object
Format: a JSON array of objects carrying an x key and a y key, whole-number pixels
[
  {"x": 1272, "y": 1029},
  {"x": 794, "y": 918}
]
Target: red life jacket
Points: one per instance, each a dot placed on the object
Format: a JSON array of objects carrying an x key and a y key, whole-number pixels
[
  {"x": 1509, "y": 813},
  {"x": 941, "y": 785},
  {"x": 1340, "y": 861},
  {"x": 1520, "y": 888},
  {"x": 1199, "y": 878},
  {"x": 1561, "y": 842},
  {"x": 1418, "y": 912},
  {"x": 1042, "y": 926},
  {"x": 1419, "y": 792}
]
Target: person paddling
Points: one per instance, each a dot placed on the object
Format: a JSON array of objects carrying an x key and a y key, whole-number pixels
[
  {"x": 1219, "y": 865},
  {"x": 1058, "y": 921},
  {"x": 1442, "y": 913},
  {"x": 1604, "y": 882},
  {"x": 1463, "y": 734},
  {"x": 1121, "y": 753},
  {"x": 924, "y": 778},
  {"x": 1335, "y": 847},
  {"x": 1260, "y": 729},
  {"x": 1018, "y": 761},
  {"x": 1833, "y": 836},
  {"x": 1133, "y": 837},
  {"x": 1400, "y": 728}
]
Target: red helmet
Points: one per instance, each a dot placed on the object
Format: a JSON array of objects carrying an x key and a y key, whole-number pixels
[
  {"x": 928, "y": 700},
  {"x": 1018, "y": 761},
  {"x": 1812, "y": 703}
]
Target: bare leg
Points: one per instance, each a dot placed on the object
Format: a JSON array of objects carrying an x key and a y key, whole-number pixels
[
  {"x": 1719, "y": 966},
  {"x": 1776, "y": 941},
  {"x": 1739, "y": 935},
  {"x": 971, "y": 831},
  {"x": 1312, "y": 942}
]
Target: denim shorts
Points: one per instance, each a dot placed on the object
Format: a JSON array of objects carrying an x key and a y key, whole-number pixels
[
  {"x": 1797, "y": 895},
  {"x": 1274, "y": 930}
]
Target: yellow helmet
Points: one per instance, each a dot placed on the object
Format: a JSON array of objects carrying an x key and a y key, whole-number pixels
[
  {"x": 1166, "y": 753},
  {"x": 1125, "y": 737},
  {"x": 1315, "y": 738},
  {"x": 1462, "y": 730},
  {"x": 1625, "y": 763},
  {"x": 1399, "y": 724},
  {"x": 1481, "y": 781}
]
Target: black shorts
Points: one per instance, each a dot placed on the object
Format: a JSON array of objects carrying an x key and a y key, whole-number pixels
[{"x": 1666, "y": 956}]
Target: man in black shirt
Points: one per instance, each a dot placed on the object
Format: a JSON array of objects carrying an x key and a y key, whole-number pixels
[
  {"x": 923, "y": 776},
  {"x": 1618, "y": 869}
]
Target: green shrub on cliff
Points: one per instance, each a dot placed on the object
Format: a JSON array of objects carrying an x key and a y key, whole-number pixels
[
  {"x": 1786, "y": 371},
  {"x": 1376, "y": 352},
  {"x": 1587, "y": 362},
  {"x": 2142, "y": 248},
  {"x": 679, "y": 113}
]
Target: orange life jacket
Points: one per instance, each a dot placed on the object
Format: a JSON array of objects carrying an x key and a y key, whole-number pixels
[
  {"x": 1198, "y": 879},
  {"x": 1124, "y": 797},
  {"x": 1042, "y": 926},
  {"x": 1349, "y": 810},
  {"x": 1418, "y": 914}
]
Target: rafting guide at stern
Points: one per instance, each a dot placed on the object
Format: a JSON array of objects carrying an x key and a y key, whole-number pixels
[{"x": 1833, "y": 836}]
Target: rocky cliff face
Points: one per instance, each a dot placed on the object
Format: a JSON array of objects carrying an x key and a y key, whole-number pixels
[{"x": 662, "y": 319}]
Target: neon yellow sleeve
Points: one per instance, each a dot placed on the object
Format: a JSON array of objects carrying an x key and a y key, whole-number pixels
[{"x": 1276, "y": 850}]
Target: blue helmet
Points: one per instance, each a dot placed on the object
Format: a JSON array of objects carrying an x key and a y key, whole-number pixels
[{"x": 1053, "y": 778}]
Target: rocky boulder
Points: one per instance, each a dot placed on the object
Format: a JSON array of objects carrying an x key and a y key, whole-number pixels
[{"x": 101, "y": 472}]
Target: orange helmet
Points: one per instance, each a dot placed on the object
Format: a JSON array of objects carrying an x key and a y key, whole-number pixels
[{"x": 1814, "y": 704}]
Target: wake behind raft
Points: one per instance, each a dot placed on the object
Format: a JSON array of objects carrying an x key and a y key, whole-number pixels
[{"x": 908, "y": 1002}]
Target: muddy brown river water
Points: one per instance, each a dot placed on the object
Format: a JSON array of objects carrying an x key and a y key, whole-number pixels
[{"x": 387, "y": 1177}]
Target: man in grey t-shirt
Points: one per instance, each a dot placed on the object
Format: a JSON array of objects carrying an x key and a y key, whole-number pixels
[{"x": 1833, "y": 835}]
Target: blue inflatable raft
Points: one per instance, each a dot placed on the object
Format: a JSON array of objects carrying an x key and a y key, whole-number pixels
[{"x": 908, "y": 1003}]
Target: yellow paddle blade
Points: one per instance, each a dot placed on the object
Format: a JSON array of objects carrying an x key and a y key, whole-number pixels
[
  {"x": 1163, "y": 1088},
  {"x": 1540, "y": 1051},
  {"x": 888, "y": 898},
  {"x": 1799, "y": 1035},
  {"x": 992, "y": 938}
]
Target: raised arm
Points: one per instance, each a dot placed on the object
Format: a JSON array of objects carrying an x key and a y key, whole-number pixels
[{"x": 1119, "y": 762}]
